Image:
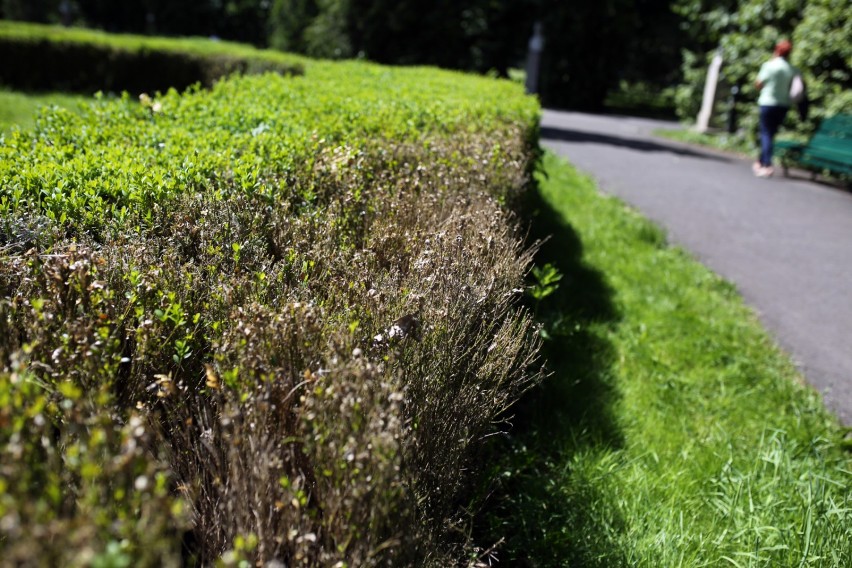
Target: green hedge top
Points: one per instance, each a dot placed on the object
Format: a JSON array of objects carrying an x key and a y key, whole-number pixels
[{"x": 248, "y": 134}]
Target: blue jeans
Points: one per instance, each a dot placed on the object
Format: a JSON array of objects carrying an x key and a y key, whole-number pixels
[{"x": 771, "y": 118}]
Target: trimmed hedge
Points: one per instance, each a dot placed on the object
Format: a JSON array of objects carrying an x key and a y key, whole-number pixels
[
  {"x": 40, "y": 57},
  {"x": 273, "y": 321}
]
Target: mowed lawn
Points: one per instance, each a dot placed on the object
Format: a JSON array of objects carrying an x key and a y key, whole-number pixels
[
  {"x": 21, "y": 109},
  {"x": 673, "y": 431}
]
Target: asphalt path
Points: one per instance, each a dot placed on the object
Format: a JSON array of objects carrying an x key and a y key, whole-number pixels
[{"x": 785, "y": 243}]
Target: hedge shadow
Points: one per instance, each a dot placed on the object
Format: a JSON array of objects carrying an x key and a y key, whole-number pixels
[{"x": 569, "y": 414}]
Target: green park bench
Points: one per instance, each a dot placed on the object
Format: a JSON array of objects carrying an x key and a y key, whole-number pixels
[{"x": 829, "y": 149}]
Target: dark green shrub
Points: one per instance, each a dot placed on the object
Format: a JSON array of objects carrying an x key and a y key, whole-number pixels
[{"x": 47, "y": 58}]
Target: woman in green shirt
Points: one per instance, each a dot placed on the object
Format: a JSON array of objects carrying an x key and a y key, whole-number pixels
[{"x": 773, "y": 81}]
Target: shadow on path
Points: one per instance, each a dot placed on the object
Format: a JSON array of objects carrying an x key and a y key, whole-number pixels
[
  {"x": 570, "y": 413},
  {"x": 580, "y": 136}
]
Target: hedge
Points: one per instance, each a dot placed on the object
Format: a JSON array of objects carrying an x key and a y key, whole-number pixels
[
  {"x": 274, "y": 321},
  {"x": 38, "y": 57}
]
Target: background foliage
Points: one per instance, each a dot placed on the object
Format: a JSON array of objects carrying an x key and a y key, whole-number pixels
[
  {"x": 591, "y": 49},
  {"x": 474, "y": 35},
  {"x": 746, "y": 32}
]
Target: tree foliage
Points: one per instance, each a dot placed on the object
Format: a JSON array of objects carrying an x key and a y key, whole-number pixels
[
  {"x": 479, "y": 35},
  {"x": 583, "y": 51},
  {"x": 823, "y": 41},
  {"x": 746, "y": 30},
  {"x": 288, "y": 20},
  {"x": 241, "y": 20},
  {"x": 589, "y": 47}
]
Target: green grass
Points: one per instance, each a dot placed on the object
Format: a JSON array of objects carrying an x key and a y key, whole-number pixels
[
  {"x": 20, "y": 109},
  {"x": 739, "y": 144},
  {"x": 641, "y": 99},
  {"x": 673, "y": 431},
  {"x": 736, "y": 143}
]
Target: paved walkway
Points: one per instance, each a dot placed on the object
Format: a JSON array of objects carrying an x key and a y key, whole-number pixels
[{"x": 785, "y": 243}]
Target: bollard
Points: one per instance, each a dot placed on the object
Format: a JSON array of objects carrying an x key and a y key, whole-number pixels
[
  {"x": 702, "y": 124},
  {"x": 536, "y": 46},
  {"x": 732, "y": 109},
  {"x": 65, "y": 13}
]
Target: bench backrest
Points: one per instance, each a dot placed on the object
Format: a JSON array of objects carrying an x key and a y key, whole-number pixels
[{"x": 834, "y": 136}]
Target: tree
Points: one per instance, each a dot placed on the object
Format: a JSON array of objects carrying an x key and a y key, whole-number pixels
[
  {"x": 654, "y": 44},
  {"x": 239, "y": 20},
  {"x": 243, "y": 20},
  {"x": 327, "y": 36},
  {"x": 823, "y": 50},
  {"x": 585, "y": 50},
  {"x": 288, "y": 20},
  {"x": 408, "y": 32},
  {"x": 128, "y": 16},
  {"x": 746, "y": 32},
  {"x": 478, "y": 35},
  {"x": 30, "y": 10}
]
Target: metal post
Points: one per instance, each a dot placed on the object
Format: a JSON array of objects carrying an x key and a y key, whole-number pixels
[
  {"x": 65, "y": 13},
  {"x": 536, "y": 46},
  {"x": 732, "y": 109}
]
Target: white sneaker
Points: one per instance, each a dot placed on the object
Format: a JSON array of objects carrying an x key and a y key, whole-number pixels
[{"x": 765, "y": 172}]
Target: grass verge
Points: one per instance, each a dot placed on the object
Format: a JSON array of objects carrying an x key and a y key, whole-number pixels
[
  {"x": 736, "y": 143},
  {"x": 641, "y": 99},
  {"x": 20, "y": 109},
  {"x": 673, "y": 431}
]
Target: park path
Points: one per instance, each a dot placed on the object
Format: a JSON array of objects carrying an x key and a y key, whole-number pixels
[{"x": 785, "y": 243}]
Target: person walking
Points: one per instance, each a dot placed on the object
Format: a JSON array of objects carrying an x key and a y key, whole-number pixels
[{"x": 773, "y": 82}]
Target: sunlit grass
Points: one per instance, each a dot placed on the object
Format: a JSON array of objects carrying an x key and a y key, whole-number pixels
[
  {"x": 20, "y": 109},
  {"x": 738, "y": 142},
  {"x": 641, "y": 99},
  {"x": 673, "y": 431}
]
